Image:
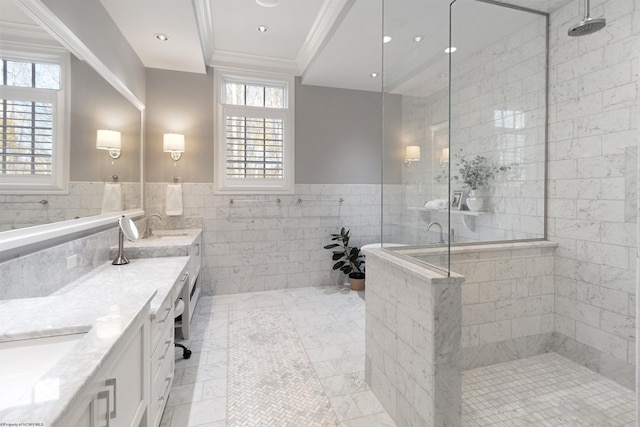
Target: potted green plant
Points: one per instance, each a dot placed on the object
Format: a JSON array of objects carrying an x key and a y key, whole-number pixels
[
  {"x": 349, "y": 259},
  {"x": 475, "y": 174}
]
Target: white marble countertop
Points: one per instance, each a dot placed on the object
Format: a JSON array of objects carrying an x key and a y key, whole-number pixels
[{"x": 137, "y": 289}]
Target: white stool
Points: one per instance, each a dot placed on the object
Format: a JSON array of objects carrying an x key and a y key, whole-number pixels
[{"x": 179, "y": 309}]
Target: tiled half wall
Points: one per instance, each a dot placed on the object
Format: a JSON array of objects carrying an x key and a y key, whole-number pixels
[
  {"x": 266, "y": 242},
  {"x": 412, "y": 360}
]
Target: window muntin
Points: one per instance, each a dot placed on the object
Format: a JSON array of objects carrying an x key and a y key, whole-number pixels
[
  {"x": 254, "y": 147},
  {"x": 254, "y": 152}
]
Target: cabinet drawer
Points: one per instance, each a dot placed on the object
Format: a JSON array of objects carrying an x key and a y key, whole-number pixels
[
  {"x": 160, "y": 389},
  {"x": 163, "y": 316},
  {"x": 163, "y": 351},
  {"x": 159, "y": 399}
]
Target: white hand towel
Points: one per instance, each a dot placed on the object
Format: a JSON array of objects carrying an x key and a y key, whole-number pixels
[
  {"x": 173, "y": 200},
  {"x": 112, "y": 200},
  {"x": 436, "y": 204}
]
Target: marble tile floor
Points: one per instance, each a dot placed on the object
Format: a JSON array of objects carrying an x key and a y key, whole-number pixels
[
  {"x": 544, "y": 390},
  {"x": 329, "y": 322}
]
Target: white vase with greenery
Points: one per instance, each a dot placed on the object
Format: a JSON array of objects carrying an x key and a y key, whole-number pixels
[{"x": 475, "y": 174}]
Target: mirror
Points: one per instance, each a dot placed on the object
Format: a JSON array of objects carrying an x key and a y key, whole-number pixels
[
  {"x": 129, "y": 230},
  {"x": 98, "y": 184}
]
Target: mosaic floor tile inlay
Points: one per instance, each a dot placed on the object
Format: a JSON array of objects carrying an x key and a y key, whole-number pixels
[
  {"x": 271, "y": 380},
  {"x": 543, "y": 390}
]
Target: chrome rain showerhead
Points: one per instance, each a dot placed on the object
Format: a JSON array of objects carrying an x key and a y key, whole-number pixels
[{"x": 588, "y": 25}]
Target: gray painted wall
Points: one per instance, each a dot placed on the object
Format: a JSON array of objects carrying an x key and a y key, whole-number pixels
[
  {"x": 95, "y": 104},
  {"x": 338, "y": 135},
  {"x": 179, "y": 102},
  {"x": 337, "y": 131},
  {"x": 92, "y": 24}
]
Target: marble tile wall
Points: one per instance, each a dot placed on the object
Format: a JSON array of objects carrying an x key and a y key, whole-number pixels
[
  {"x": 507, "y": 300},
  {"x": 592, "y": 172},
  {"x": 257, "y": 243},
  {"x": 497, "y": 111},
  {"x": 412, "y": 360},
  {"x": 44, "y": 272},
  {"x": 84, "y": 199}
]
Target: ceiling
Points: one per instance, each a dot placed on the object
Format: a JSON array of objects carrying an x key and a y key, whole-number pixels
[{"x": 335, "y": 43}]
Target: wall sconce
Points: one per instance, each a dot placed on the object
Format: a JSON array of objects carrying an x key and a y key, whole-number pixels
[
  {"x": 444, "y": 157},
  {"x": 109, "y": 140},
  {"x": 173, "y": 143},
  {"x": 411, "y": 154}
]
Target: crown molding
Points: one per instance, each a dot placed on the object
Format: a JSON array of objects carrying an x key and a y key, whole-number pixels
[
  {"x": 325, "y": 25},
  {"x": 58, "y": 30},
  {"x": 31, "y": 33},
  {"x": 221, "y": 58},
  {"x": 204, "y": 22}
]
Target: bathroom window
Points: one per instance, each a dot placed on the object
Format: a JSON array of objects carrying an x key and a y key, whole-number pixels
[
  {"x": 254, "y": 144},
  {"x": 33, "y": 150}
]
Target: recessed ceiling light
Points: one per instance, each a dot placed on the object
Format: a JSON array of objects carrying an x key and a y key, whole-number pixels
[
  {"x": 374, "y": 75},
  {"x": 418, "y": 39},
  {"x": 268, "y": 3},
  {"x": 450, "y": 49},
  {"x": 262, "y": 29},
  {"x": 162, "y": 37},
  {"x": 387, "y": 39}
]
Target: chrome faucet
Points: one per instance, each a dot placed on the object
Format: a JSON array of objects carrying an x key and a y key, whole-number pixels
[
  {"x": 438, "y": 224},
  {"x": 147, "y": 232}
]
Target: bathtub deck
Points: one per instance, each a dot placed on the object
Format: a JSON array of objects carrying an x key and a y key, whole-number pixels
[{"x": 544, "y": 390}]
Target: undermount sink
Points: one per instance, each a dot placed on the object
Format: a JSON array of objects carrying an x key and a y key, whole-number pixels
[{"x": 24, "y": 362}]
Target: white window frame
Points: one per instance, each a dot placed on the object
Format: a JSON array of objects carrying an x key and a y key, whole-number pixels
[
  {"x": 226, "y": 185},
  {"x": 58, "y": 181}
]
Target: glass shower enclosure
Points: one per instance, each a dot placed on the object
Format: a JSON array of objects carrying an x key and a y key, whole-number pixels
[{"x": 465, "y": 96}]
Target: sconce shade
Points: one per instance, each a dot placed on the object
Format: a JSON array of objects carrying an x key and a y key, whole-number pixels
[
  {"x": 173, "y": 143},
  {"x": 412, "y": 153},
  {"x": 444, "y": 157},
  {"x": 108, "y": 140}
]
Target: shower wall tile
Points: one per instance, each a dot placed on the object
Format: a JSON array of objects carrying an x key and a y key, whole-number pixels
[
  {"x": 593, "y": 112},
  {"x": 497, "y": 110},
  {"x": 508, "y": 301},
  {"x": 254, "y": 243}
]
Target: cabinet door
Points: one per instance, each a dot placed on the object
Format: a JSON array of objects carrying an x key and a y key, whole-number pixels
[{"x": 121, "y": 398}]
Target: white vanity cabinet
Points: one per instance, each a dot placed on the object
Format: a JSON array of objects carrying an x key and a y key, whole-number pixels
[
  {"x": 195, "y": 262},
  {"x": 190, "y": 294},
  {"x": 118, "y": 393},
  {"x": 162, "y": 363}
]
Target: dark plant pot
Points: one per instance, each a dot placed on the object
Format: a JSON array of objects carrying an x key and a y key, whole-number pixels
[{"x": 356, "y": 281}]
